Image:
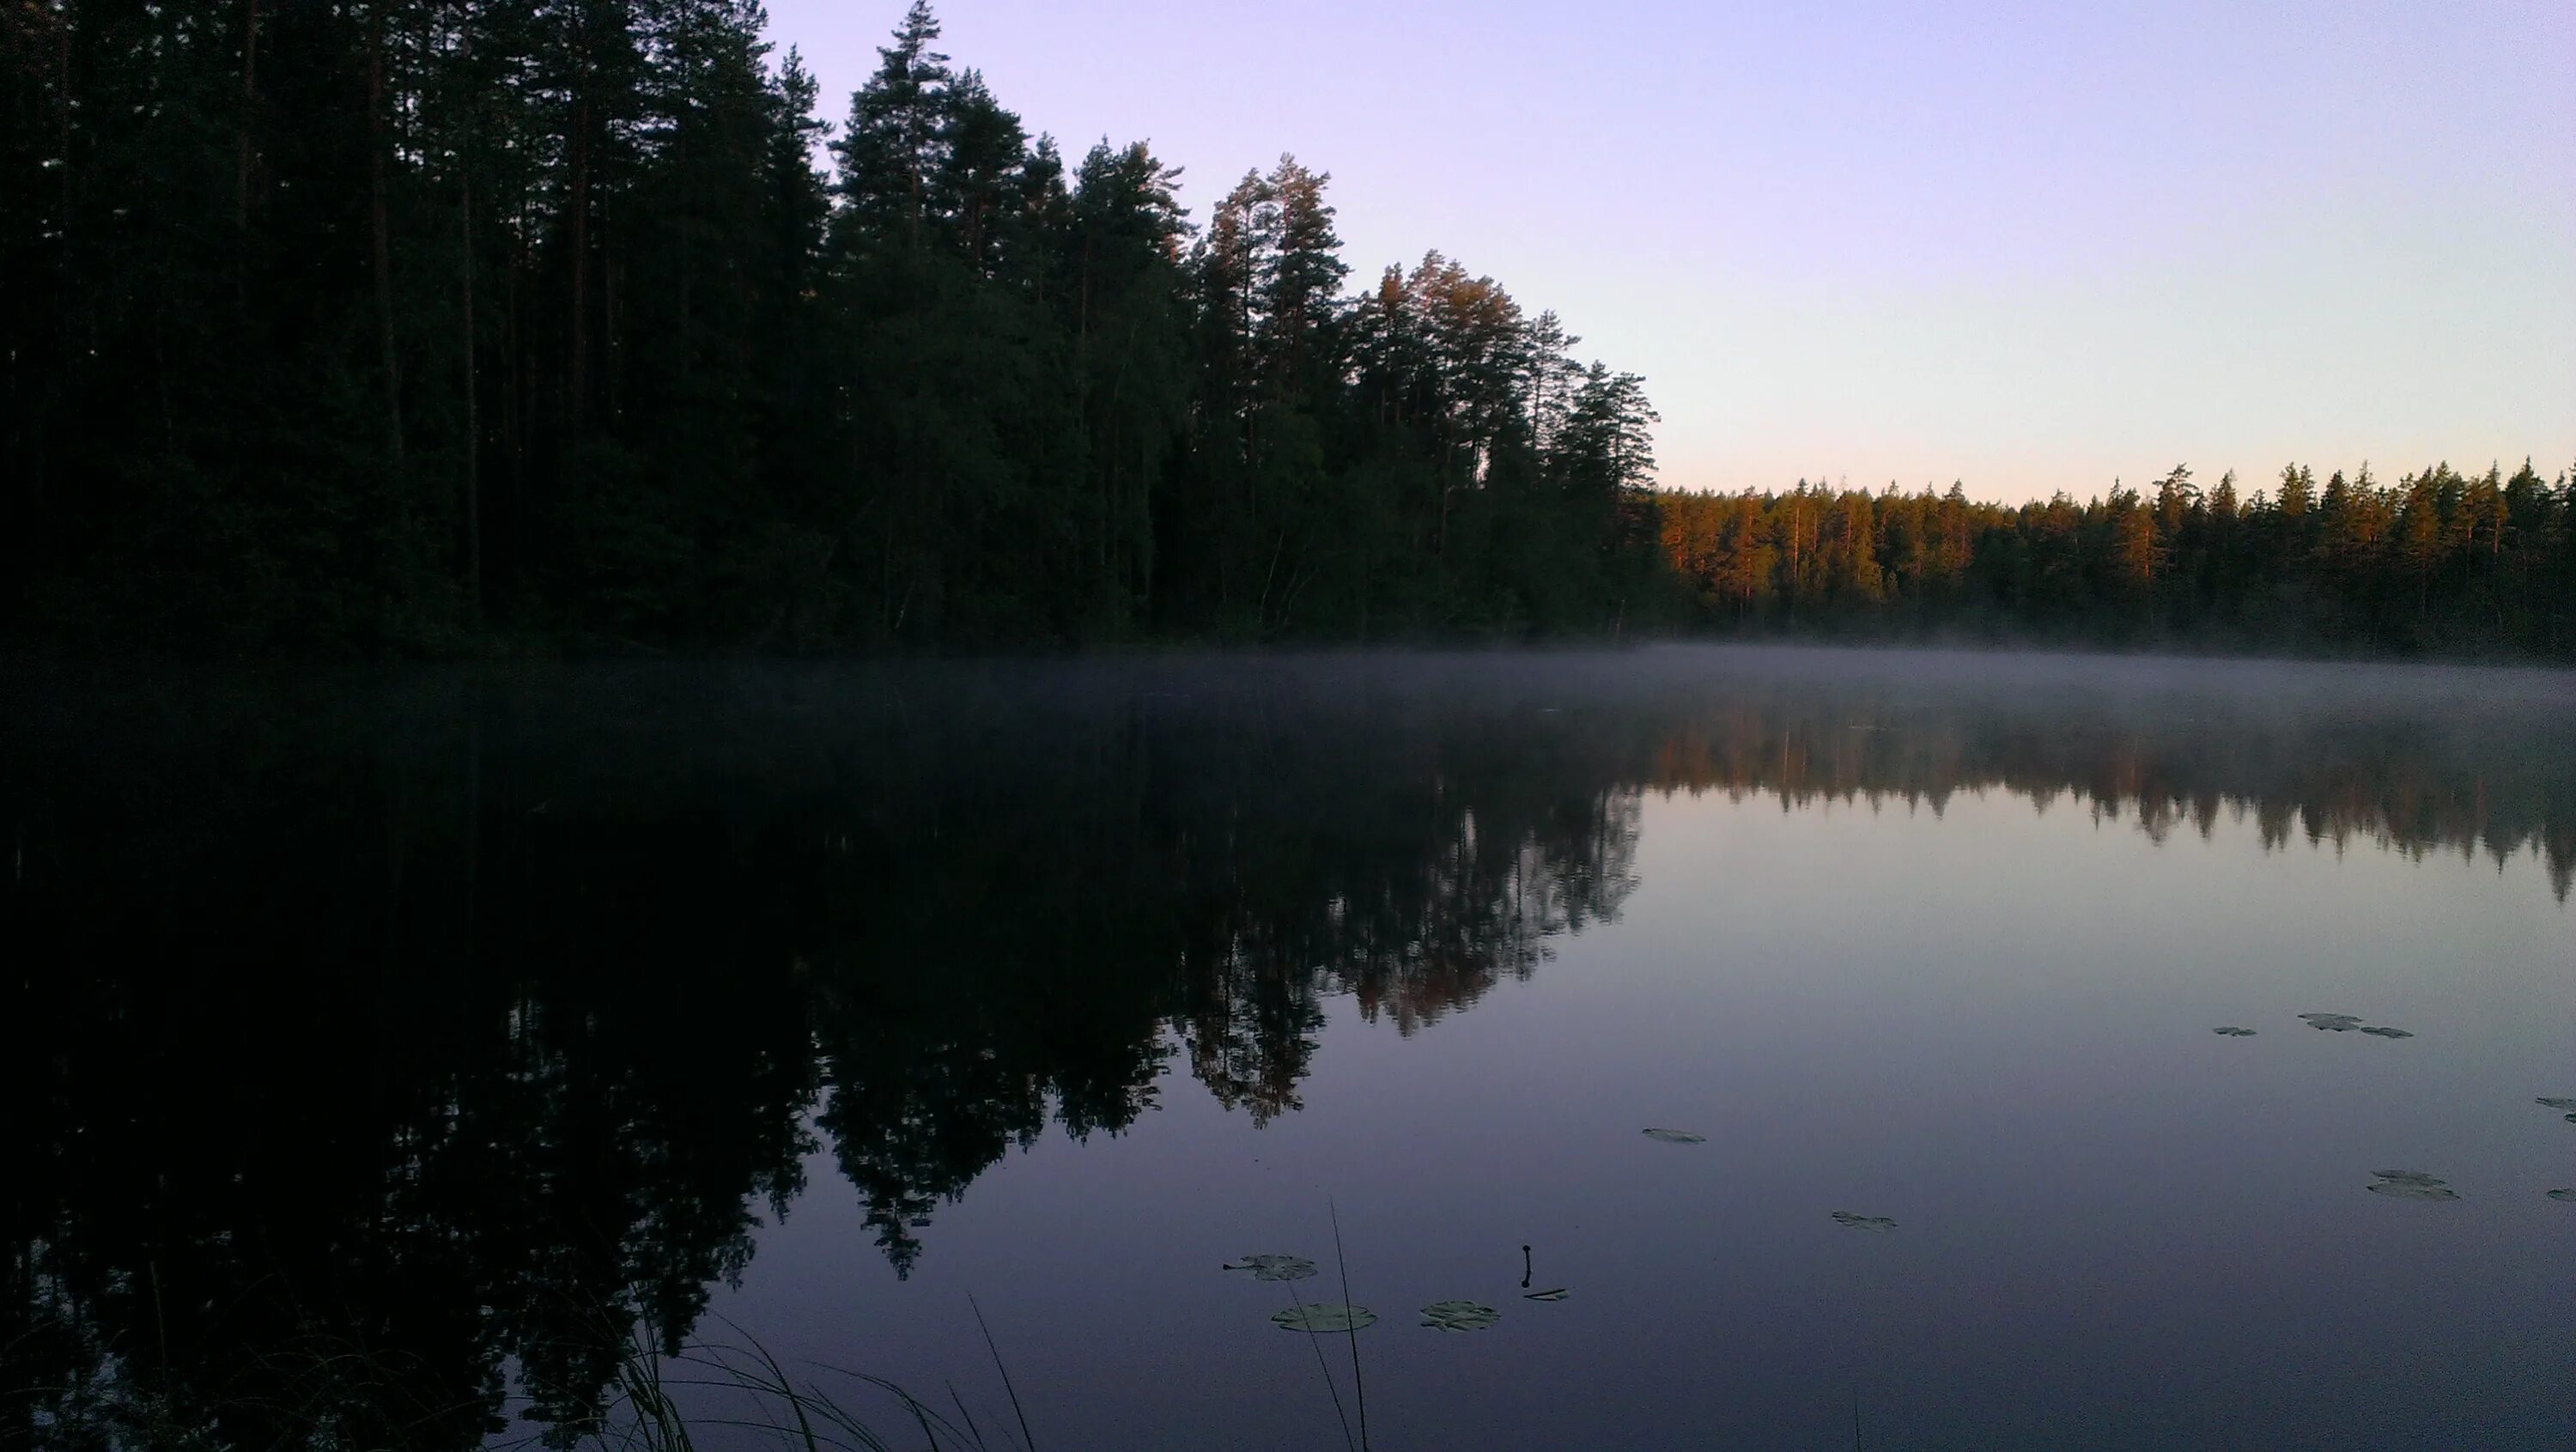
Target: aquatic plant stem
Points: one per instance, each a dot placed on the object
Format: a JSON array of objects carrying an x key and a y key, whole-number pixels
[
  {"x": 160, "y": 1323},
  {"x": 1318, "y": 1343},
  {"x": 971, "y": 1429},
  {"x": 1342, "y": 1265},
  {"x": 785, "y": 1388},
  {"x": 1026, "y": 1439}
]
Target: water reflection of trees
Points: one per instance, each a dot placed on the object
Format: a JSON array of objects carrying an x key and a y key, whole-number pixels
[
  {"x": 2490, "y": 783},
  {"x": 398, "y": 1035}
]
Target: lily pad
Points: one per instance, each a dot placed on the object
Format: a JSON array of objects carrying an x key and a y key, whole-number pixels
[
  {"x": 1460, "y": 1315},
  {"x": 2386, "y": 1033},
  {"x": 1560, "y": 1293},
  {"x": 2556, "y": 1103},
  {"x": 2410, "y": 1185},
  {"x": 1274, "y": 1267},
  {"x": 1676, "y": 1136},
  {"x": 1875, "y": 1224},
  {"x": 2412, "y": 1190},
  {"x": 2331, "y": 1022},
  {"x": 2233, "y": 1032},
  {"x": 1323, "y": 1318},
  {"x": 2563, "y": 1195}
]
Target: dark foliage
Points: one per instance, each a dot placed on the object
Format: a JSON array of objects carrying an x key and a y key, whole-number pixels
[
  {"x": 392, "y": 326},
  {"x": 385, "y": 326}
]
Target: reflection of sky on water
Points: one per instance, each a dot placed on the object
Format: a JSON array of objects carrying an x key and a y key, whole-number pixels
[
  {"x": 1989, "y": 1024},
  {"x": 1067, "y": 984}
]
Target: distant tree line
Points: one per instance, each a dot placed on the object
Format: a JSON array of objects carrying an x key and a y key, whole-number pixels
[
  {"x": 397, "y": 325},
  {"x": 2436, "y": 562}
]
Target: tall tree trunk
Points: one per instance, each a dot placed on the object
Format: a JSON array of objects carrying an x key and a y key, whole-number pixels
[
  {"x": 378, "y": 224},
  {"x": 473, "y": 424},
  {"x": 241, "y": 151},
  {"x": 577, "y": 363},
  {"x": 613, "y": 377},
  {"x": 465, "y": 275},
  {"x": 515, "y": 380}
]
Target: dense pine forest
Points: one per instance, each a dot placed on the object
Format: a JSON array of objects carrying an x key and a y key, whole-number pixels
[
  {"x": 2436, "y": 563},
  {"x": 384, "y": 326},
  {"x": 440, "y": 326}
]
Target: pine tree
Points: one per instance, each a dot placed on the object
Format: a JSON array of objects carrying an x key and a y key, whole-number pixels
[
  {"x": 892, "y": 149},
  {"x": 1300, "y": 282}
]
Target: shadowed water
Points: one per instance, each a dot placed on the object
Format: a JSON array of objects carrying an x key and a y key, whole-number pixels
[{"x": 398, "y": 1043}]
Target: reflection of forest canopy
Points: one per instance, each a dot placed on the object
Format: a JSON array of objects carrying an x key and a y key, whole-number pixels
[
  {"x": 446, "y": 1030},
  {"x": 2406, "y": 785},
  {"x": 399, "y": 1032}
]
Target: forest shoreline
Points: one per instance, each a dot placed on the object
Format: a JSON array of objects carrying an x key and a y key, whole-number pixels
[
  {"x": 37, "y": 659},
  {"x": 500, "y": 350}
]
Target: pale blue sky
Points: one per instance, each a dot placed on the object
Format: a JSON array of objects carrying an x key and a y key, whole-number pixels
[{"x": 2025, "y": 246}]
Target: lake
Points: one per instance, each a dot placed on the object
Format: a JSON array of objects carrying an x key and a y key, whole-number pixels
[{"x": 405, "y": 1049}]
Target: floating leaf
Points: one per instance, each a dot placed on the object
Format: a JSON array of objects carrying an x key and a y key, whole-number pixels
[
  {"x": 2562, "y": 1194},
  {"x": 2386, "y": 1033},
  {"x": 1460, "y": 1315},
  {"x": 1323, "y": 1318},
  {"x": 1676, "y": 1136},
  {"x": 2331, "y": 1022},
  {"x": 1560, "y": 1292},
  {"x": 2408, "y": 1177},
  {"x": 2556, "y": 1103},
  {"x": 2412, "y": 1190},
  {"x": 2233, "y": 1032},
  {"x": 1274, "y": 1267},
  {"x": 1875, "y": 1224}
]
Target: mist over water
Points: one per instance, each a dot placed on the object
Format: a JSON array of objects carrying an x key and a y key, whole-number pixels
[{"x": 474, "y": 1017}]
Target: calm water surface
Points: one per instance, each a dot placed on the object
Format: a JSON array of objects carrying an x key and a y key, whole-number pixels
[{"x": 464, "y": 1021}]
